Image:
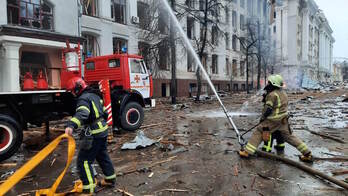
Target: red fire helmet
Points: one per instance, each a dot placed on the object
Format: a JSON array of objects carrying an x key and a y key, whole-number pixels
[{"x": 76, "y": 85}]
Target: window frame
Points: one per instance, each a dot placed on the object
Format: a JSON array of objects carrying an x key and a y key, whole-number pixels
[
  {"x": 94, "y": 7},
  {"x": 114, "y": 60},
  {"x": 139, "y": 62},
  {"x": 121, "y": 7},
  {"x": 37, "y": 14},
  {"x": 214, "y": 64},
  {"x": 88, "y": 68}
]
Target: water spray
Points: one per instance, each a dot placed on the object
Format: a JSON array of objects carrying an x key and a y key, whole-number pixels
[{"x": 191, "y": 49}]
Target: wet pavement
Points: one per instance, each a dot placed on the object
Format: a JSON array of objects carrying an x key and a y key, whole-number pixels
[{"x": 204, "y": 160}]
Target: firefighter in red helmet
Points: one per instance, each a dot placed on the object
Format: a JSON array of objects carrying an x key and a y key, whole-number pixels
[{"x": 90, "y": 115}]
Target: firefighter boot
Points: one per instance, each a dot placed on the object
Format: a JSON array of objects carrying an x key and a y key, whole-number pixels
[
  {"x": 110, "y": 137},
  {"x": 280, "y": 148},
  {"x": 84, "y": 193},
  {"x": 107, "y": 183},
  {"x": 307, "y": 158},
  {"x": 243, "y": 153}
]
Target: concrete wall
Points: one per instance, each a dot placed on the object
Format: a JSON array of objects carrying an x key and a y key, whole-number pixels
[
  {"x": 65, "y": 16},
  {"x": 3, "y": 11}
]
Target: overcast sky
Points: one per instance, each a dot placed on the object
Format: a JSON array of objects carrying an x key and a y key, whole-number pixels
[{"x": 336, "y": 11}]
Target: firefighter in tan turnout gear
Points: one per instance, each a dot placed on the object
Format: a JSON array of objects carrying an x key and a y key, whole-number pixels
[{"x": 275, "y": 118}]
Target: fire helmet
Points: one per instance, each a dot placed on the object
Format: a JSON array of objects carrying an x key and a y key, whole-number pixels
[
  {"x": 276, "y": 80},
  {"x": 76, "y": 85}
]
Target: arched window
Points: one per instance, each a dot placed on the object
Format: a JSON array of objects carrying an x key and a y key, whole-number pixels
[{"x": 30, "y": 13}]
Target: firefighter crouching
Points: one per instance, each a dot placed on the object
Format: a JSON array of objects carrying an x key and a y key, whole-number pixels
[
  {"x": 91, "y": 114},
  {"x": 275, "y": 117},
  {"x": 276, "y": 135}
]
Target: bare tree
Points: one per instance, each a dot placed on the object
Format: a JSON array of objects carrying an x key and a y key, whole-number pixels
[
  {"x": 158, "y": 40},
  {"x": 255, "y": 45},
  {"x": 248, "y": 43},
  {"x": 207, "y": 14}
]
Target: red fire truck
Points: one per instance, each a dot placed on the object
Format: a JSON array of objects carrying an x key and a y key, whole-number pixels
[{"x": 123, "y": 79}]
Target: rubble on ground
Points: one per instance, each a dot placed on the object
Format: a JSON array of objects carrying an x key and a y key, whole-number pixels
[{"x": 195, "y": 154}]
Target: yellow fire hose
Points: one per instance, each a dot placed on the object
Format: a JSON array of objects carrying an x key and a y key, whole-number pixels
[{"x": 37, "y": 159}]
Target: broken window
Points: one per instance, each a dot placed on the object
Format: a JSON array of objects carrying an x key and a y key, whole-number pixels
[
  {"x": 204, "y": 61},
  {"x": 30, "y": 13},
  {"x": 163, "y": 22},
  {"x": 241, "y": 21},
  {"x": 214, "y": 65},
  {"x": 234, "y": 68},
  {"x": 202, "y": 5},
  {"x": 201, "y": 32},
  {"x": 227, "y": 41},
  {"x": 227, "y": 66},
  {"x": 234, "y": 18},
  {"x": 89, "y": 46},
  {"x": 119, "y": 11},
  {"x": 163, "y": 53},
  {"x": 214, "y": 35},
  {"x": 118, "y": 44},
  {"x": 89, "y": 7},
  {"x": 144, "y": 15},
  {"x": 190, "y": 62},
  {"x": 234, "y": 42},
  {"x": 242, "y": 68},
  {"x": 190, "y": 27}
]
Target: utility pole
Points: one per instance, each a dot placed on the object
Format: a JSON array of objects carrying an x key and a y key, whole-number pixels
[{"x": 173, "y": 86}]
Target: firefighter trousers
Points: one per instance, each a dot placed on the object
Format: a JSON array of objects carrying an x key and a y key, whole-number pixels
[
  {"x": 283, "y": 127},
  {"x": 85, "y": 159}
]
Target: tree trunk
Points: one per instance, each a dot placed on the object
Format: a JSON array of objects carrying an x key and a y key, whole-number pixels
[
  {"x": 258, "y": 57},
  {"x": 201, "y": 51},
  {"x": 199, "y": 83},
  {"x": 258, "y": 73},
  {"x": 173, "y": 86},
  {"x": 247, "y": 71}
]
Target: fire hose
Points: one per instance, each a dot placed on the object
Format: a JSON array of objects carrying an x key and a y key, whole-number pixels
[{"x": 36, "y": 160}]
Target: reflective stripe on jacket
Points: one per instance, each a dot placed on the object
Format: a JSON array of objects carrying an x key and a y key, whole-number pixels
[
  {"x": 278, "y": 101},
  {"x": 90, "y": 111}
]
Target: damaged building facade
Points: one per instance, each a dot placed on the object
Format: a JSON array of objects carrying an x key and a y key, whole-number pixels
[
  {"x": 302, "y": 40},
  {"x": 224, "y": 57},
  {"x": 32, "y": 34},
  {"x": 34, "y": 31}
]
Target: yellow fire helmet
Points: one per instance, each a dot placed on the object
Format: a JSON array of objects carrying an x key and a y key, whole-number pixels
[{"x": 276, "y": 80}]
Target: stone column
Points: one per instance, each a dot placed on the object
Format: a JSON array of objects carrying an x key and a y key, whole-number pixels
[
  {"x": 305, "y": 35},
  {"x": 10, "y": 67}
]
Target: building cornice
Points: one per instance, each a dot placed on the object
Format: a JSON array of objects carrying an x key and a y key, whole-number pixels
[{"x": 38, "y": 34}]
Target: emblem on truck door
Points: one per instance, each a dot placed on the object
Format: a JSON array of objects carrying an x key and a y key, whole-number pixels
[{"x": 137, "y": 78}]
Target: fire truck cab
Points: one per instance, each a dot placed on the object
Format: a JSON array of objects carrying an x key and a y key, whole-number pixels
[{"x": 130, "y": 84}]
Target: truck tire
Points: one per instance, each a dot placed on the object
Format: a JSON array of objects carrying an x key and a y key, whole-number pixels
[
  {"x": 11, "y": 137},
  {"x": 132, "y": 116}
]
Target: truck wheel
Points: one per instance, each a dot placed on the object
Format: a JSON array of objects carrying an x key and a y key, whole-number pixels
[
  {"x": 132, "y": 116},
  {"x": 11, "y": 137}
]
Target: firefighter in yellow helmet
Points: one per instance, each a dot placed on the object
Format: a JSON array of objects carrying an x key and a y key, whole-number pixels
[{"x": 275, "y": 117}]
